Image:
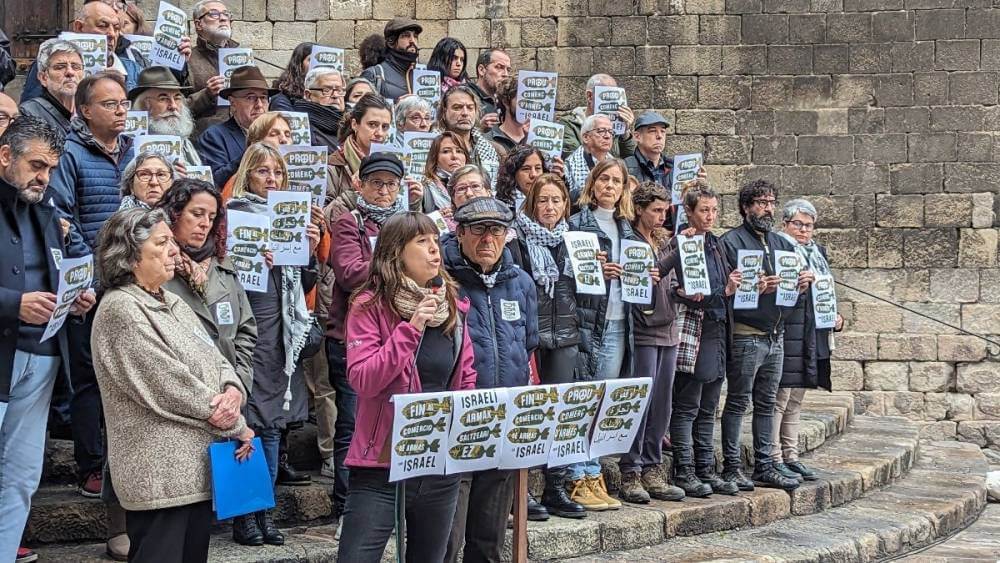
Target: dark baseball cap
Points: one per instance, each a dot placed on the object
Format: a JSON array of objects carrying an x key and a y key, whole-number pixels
[
  {"x": 648, "y": 118},
  {"x": 484, "y": 211},
  {"x": 381, "y": 162}
]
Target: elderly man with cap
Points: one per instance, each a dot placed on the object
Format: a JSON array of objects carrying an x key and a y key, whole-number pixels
[
  {"x": 647, "y": 163},
  {"x": 503, "y": 324},
  {"x": 159, "y": 93},
  {"x": 355, "y": 233},
  {"x": 391, "y": 76},
  {"x": 221, "y": 146}
]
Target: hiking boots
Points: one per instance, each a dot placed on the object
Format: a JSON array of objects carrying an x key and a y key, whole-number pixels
[
  {"x": 787, "y": 472},
  {"x": 654, "y": 480},
  {"x": 246, "y": 531},
  {"x": 536, "y": 511},
  {"x": 805, "y": 472},
  {"x": 736, "y": 476},
  {"x": 632, "y": 489},
  {"x": 690, "y": 484},
  {"x": 581, "y": 493},
  {"x": 718, "y": 484},
  {"x": 600, "y": 490},
  {"x": 557, "y": 501},
  {"x": 272, "y": 536},
  {"x": 769, "y": 477},
  {"x": 288, "y": 475}
]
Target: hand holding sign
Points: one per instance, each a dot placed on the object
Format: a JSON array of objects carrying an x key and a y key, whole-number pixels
[{"x": 167, "y": 35}]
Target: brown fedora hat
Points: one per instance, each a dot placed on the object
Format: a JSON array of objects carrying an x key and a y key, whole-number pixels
[
  {"x": 247, "y": 77},
  {"x": 156, "y": 77}
]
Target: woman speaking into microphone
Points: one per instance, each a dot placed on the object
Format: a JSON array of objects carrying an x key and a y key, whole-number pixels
[{"x": 406, "y": 333}]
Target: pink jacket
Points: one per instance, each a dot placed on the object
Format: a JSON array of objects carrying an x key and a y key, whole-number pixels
[{"x": 381, "y": 348}]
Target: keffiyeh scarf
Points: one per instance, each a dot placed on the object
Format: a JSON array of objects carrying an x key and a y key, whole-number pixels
[{"x": 539, "y": 240}]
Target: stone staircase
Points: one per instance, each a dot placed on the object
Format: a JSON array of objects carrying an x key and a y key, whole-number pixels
[{"x": 882, "y": 493}]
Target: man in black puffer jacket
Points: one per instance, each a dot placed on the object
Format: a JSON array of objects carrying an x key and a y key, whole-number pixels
[{"x": 391, "y": 77}]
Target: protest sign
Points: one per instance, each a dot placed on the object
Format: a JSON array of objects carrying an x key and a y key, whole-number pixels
[
  {"x": 230, "y": 59},
  {"x": 427, "y": 85},
  {"x": 298, "y": 122},
  {"x": 75, "y": 275},
  {"x": 749, "y": 263},
  {"x": 136, "y": 123},
  {"x": 531, "y": 422},
  {"x": 787, "y": 266},
  {"x": 306, "y": 170},
  {"x": 680, "y": 219},
  {"x": 141, "y": 43},
  {"x": 692, "y": 254},
  {"x": 167, "y": 34},
  {"x": 203, "y": 173},
  {"x": 636, "y": 280},
  {"x": 536, "y": 96},
  {"x": 322, "y": 55},
  {"x": 169, "y": 146},
  {"x": 620, "y": 416},
  {"x": 824, "y": 301},
  {"x": 607, "y": 100},
  {"x": 246, "y": 240},
  {"x": 438, "y": 219},
  {"x": 420, "y": 425},
  {"x": 684, "y": 170},
  {"x": 587, "y": 270},
  {"x": 289, "y": 216},
  {"x": 546, "y": 137},
  {"x": 417, "y": 145},
  {"x": 476, "y": 430},
  {"x": 93, "y": 47},
  {"x": 574, "y": 414}
]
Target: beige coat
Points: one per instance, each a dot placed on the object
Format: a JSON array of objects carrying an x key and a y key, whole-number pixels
[{"x": 158, "y": 371}]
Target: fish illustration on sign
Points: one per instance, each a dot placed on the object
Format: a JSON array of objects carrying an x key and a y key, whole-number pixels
[
  {"x": 291, "y": 207},
  {"x": 532, "y": 105},
  {"x": 285, "y": 236},
  {"x": 246, "y": 249},
  {"x": 566, "y": 432},
  {"x": 484, "y": 415},
  {"x": 537, "y": 94},
  {"x": 244, "y": 264},
  {"x": 534, "y": 417},
  {"x": 413, "y": 446},
  {"x": 480, "y": 434},
  {"x": 629, "y": 392},
  {"x": 540, "y": 81},
  {"x": 577, "y": 413},
  {"x": 622, "y": 409},
  {"x": 527, "y": 435},
  {"x": 289, "y": 222},
  {"x": 78, "y": 274},
  {"x": 427, "y": 407},
  {"x": 252, "y": 234},
  {"x": 614, "y": 423},
  {"x": 535, "y": 398},
  {"x": 471, "y": 452},
  {"x": 581, "y": 394},
  {"x": 423, "y": 428}
]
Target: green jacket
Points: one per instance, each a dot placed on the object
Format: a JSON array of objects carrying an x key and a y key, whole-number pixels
[{"x": 573, "y": 121}]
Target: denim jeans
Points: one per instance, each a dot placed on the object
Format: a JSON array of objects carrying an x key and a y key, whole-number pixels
[
  {"x": 270, "y": 438},
  {"x": 22, "y": 443},
  {"x": 346, "y": 400},
  {"x": 610, "y": 358},
  {"x": 369, "y": 516},
  {"x": 86, "y": 409},
  {"x": 753, "y": 373},
  {"x": 657, "y": 362}
]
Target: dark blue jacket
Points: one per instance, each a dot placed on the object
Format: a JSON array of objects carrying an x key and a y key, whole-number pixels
[
  {"x": 87, "y": 186},
  {"x": 12, "y": 275},
  {"x": 503, "y": 338},
  {"x": 221, "y": 146},
  {"x": 33, "y": 88}
]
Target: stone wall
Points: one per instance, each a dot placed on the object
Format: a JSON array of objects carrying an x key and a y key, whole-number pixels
[{"x": 882, "y": 112}]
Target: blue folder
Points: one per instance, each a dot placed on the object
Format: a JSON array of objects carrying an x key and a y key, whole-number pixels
[{"x": 239, "y": 488}]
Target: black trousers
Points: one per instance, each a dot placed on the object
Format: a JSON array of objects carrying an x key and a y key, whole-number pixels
[
  {"x": 490, "y": 495},
  {"x": 170, "y": 535},
  {"x": 85, "y": 409}
]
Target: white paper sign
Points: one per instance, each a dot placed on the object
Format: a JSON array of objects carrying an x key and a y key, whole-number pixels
[
  {"x": 230, "y": 59},
  {"x": 531, "y": 422},
  {"x": 620, "y": 416},
  {"x": 536, "y": 95},
  {"x": 141, "y": 43},
  {"x": 75, "y": 275},
  {"x": 438, "y": 219},
  {"x": 636, "y": 281},
  {"x": 169, "y": 146},
  {"x": 476, "y": 430},
  {"x": 787, "y": 266},
  {"x": 685, "y": 169},
  {"x": 427, "y": 85},
  {"x": 824, "y": 301},
  {"x": 136, "y": 123},
  {"x": 417, "y": 146},
  {"x": 306, "y": 170},
  {"x": 167, "y": 34},
  {"x": 94, "y": 48},
  {"x": 583, "y": 249},
  {"x": 574, "y": 417},
  {"x": 203, "y": 173},
  {"x": 546, "y": 136},
  {"x": 749, "y": 263},
  {"x": 289, "y": 213},
  {"x": 693, "y": 266},
  {"x": 607, "y": 100},
  {"x": 246, "y": 240},
  {"x": 420, "y": 425},
  {"x": 322, "y": 55},
  {"x": 298, "y": 122}
]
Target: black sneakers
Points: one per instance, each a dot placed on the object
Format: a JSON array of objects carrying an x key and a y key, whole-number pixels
[
  {"x": 769, "y": 477},
  {"x": 805, "y": 472},
  {"x": 787, "y": 472}
]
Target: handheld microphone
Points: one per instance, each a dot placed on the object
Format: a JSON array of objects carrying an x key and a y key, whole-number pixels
[{"x": 436, "y": 283}]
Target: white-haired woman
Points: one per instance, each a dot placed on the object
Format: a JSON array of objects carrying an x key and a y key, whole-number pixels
[
  {"x": 146, "y": 178},
  {"x": 411, "y": 114},
  {"x": 323, "y": 101}
]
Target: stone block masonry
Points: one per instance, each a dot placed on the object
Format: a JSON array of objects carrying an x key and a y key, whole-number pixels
[{"x": 884, "y": 113}]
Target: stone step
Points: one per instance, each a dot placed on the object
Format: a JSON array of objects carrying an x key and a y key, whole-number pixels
[
  {"x": 944, "y": 491},
  {"x": 980, "y": 542}
]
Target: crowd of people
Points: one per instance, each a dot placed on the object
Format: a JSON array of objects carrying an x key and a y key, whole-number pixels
[{"x": 168, "y": 352}]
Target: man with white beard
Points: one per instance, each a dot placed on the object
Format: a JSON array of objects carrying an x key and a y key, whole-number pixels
[
  {"x": 159, "y": 93},
  {"x": 213, "y": 24}
]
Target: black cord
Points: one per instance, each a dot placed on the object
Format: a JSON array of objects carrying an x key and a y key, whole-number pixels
[{"x": 991, "y": 352}]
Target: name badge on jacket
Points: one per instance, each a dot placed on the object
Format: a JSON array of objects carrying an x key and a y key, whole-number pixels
[
  {"x": 224, "y": 313},
  {"x": 510, "y": 310}
]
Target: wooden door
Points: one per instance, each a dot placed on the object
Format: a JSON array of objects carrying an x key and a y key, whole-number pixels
[{"x": 30, "y": 22}]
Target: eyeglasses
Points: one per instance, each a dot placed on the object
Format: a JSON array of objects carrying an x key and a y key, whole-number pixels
[
  {"x": 112, "y": 105},
  {"x": 254, "y": 100},
  {"x": 603, "y": 132},
  {"x": 6, "y": 119},
  {"x": 468, "y": 189},
  {"x": 145, "y": 176},
  {"x": 765, "y": 202},
  {"x": 329, "y": 92},
  {"x": 379, "y": 185},
  {"x": 418, "y": 118},
  {"x": 216, "y": 14},
  {"x": 802, "y": 226},
  {"x": 495, "y": 230}
]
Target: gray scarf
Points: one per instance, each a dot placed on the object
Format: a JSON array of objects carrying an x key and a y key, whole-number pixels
[
  {"x": 376, "y": 213},
  {"x": 539, "y": 240},
  {"x": 810, "y": 254}
]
